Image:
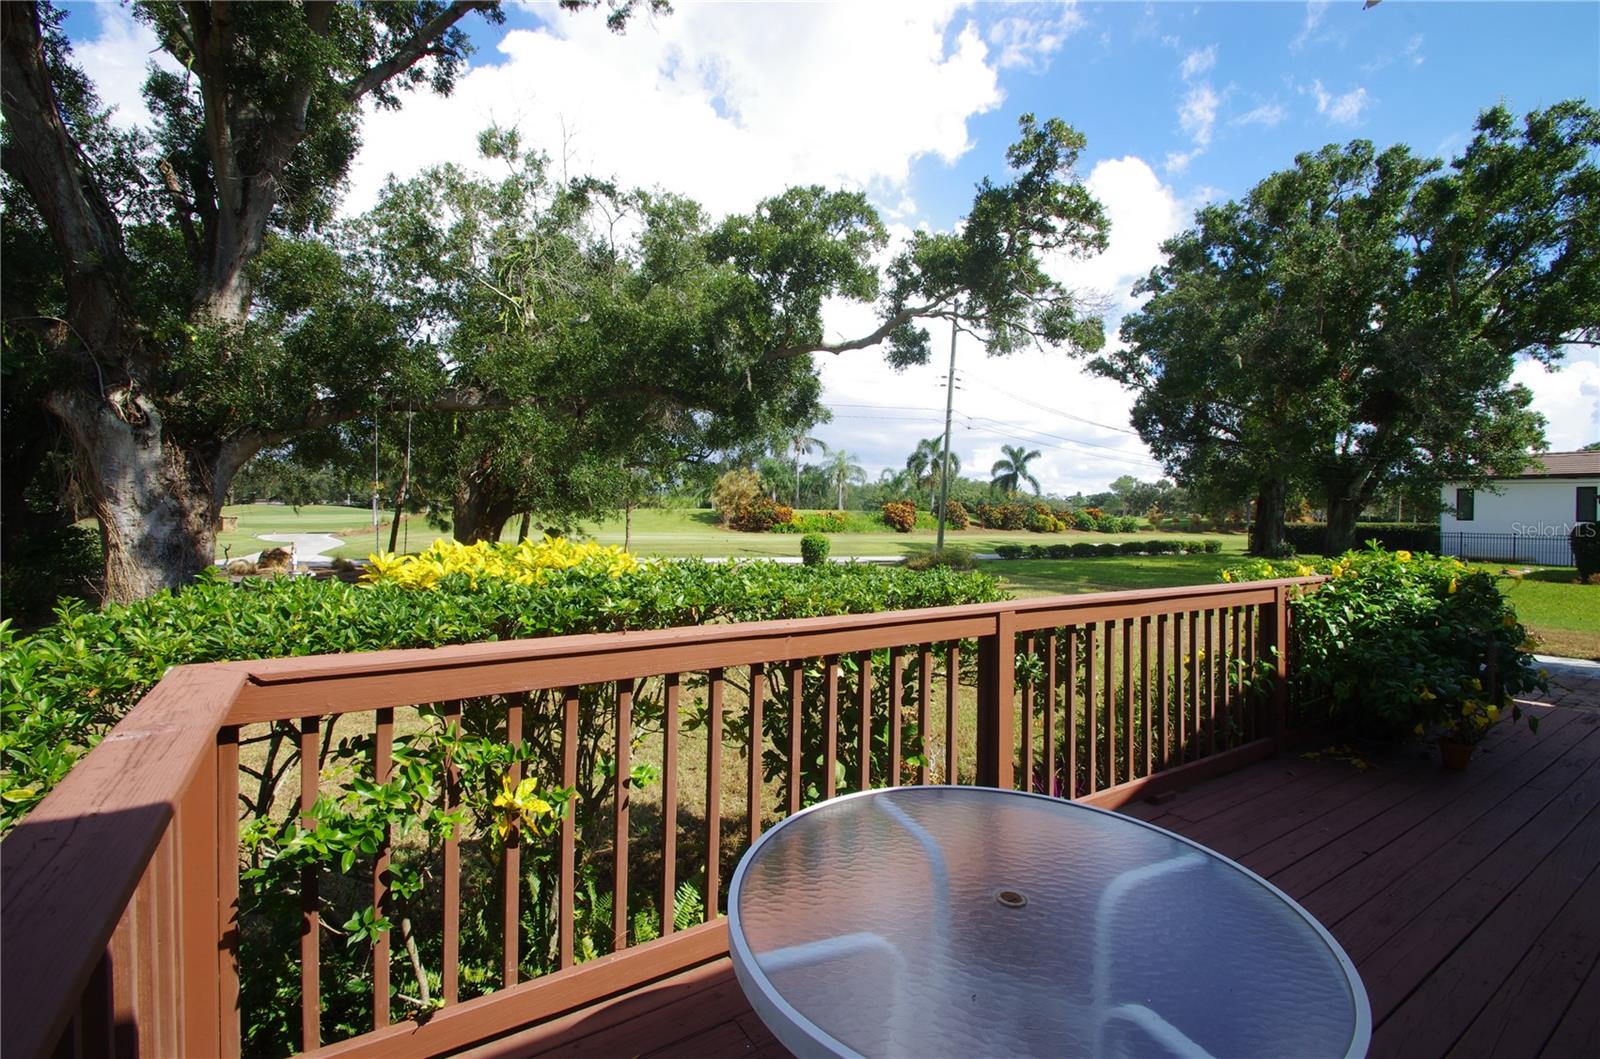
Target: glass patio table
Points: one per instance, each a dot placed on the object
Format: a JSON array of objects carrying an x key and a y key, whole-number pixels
[{"x": 968, "y": 921}]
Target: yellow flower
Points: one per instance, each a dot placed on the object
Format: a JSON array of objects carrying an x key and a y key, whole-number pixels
[
  {"x": 1227, "y": 575},
  {"x": 1453, "y": 587},
  {"x": 1493, "y": 711},
  {"x": 1428, "y": 695},
  {"x": 519, "y": 806},
  {"x": 1419, "y": 729},
  {"x": 1403, "y": 555},
  {"x": 1468, "y": 707},
  {"x": 1304, "y": 571}
]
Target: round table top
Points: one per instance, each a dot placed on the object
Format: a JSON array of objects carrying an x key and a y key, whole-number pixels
[{"x": 929, "y": 921}]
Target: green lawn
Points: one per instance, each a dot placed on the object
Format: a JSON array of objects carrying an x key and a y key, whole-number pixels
[
  {"x": 352, "y": 524},
  {"x": 1562, "y": 614}
]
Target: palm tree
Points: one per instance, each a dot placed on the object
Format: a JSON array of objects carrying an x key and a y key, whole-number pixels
[
  {"x": 923, "y": 464},
  {"x": 1008, "y": 474},
  {"x": 895, "y": 483},
  {"x": 802, "y": 446},
  {"x": 842, "y": 470}
]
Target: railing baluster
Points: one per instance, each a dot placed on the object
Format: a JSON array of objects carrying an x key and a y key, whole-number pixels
[
  {"x": 310, "y": 912},
  {"x": 797, "y": 694},
  {"x": 511, "y": 864},
  {"x": 669, "y": 803},
  {"x": 1050, "y": 713},
  {"x": 713, "y": 794},
  {"x": 924, "y": 715},
  {"x": 1070, "y": 788},
  {"x": 619, "y": 817},
  {"x": 952, "y": 708},
  {"x": 566, "y": 879},
  {"x": 1231, "y": 676},
  {"x": 1180, "y": 703},
  {"x": 1196, "y": 703},
  {"x": 864, "y": 678},
  {"x": 1144, "y": 691},
  {"x": 1252, "y": 702},
  {"x": 1091, "y": 728},
  {"x": 1111, "y": 702},
  {"x": 1027, "y": 717},
  {"x": 758, "y": 687},
  {"x": 1212, "y": 617},
  {"x": 382, "y": 764},
  {"x": 1162, "y": 691},
  {"x": 897, "y": 689},
  {"x": 1129, "y": 743},
  {"x": 830, "y": 725},
  {"x": 450, "y": 968}
]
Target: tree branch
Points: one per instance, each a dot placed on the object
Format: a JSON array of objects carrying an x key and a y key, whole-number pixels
[{"x": 412, "y": 50}]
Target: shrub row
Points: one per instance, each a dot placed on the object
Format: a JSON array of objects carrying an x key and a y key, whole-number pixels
[
  {"x": 1084, "y": 550},
  {"x": 1307, "y": 537}
]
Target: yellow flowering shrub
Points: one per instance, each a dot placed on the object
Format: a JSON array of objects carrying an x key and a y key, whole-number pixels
[
  {"x": 1400, "y": 642},
  {"x": 523, "y": 563}
]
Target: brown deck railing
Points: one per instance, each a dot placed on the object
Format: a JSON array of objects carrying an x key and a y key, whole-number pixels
[{"x": 121, "y": 890}]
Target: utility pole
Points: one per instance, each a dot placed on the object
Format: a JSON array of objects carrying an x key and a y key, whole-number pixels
[{"x": 944, "y": 464}]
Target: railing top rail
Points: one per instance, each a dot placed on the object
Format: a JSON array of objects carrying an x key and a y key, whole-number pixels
[
  {"x": 316, "y": 667},
  {"x": 72, "y": 864},
  {"x": 283, "y": 688}
]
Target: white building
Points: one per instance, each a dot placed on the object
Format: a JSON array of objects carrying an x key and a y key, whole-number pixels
[{"x": 1527, "y": 518}]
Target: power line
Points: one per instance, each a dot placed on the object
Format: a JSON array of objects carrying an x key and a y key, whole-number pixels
[{"x": 1056, "y": 411}]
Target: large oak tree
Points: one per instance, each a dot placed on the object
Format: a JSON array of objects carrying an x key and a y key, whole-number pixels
[
  {"x": 1356, "y": 319},
  {"x": 191, "y": 309}
]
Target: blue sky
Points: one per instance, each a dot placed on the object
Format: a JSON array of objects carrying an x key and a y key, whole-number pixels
[{"x": 915, "y": 102}]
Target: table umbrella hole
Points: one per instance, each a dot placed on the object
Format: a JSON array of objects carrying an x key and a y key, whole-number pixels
[{"x": 1011, "y": 898}]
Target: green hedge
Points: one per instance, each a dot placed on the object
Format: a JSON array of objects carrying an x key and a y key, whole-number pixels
[
  {"x": 67, "y": 684},
  {"x": 1306, "y": 538}
]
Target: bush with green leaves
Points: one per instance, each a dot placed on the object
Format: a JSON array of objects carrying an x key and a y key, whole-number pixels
[
  {"x": 1400, "y": 643},
  {"x": 952, "y": 557},
  {"x": 41, "y": 566},
  {"x": 1585, "y": 540},
  {"x": 1009, "y": 551},
  {"x": 1039, "y": 522},
  {"x": 955, "y": 515},
  {"x": 813, "y": 549},
  {"x": 829, "y": 522}
]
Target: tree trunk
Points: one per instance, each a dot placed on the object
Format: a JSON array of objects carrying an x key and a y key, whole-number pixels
[
  {"x": 1340, "y": 535},
  {"x": 157, "y": 505},
  {"x": 525, "y": 527},
  {"x": 627, "y": 526},
  {"x": 1266, "y": 533}
]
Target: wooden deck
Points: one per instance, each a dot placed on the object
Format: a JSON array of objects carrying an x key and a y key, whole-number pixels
[{"x": 1470, "y": 902}]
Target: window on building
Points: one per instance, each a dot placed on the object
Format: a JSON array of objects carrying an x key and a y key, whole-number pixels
[
  {"x": 1464, "y": 498},
  {"x": 1586, "y": 504}
]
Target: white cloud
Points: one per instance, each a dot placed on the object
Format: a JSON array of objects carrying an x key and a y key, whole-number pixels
[
  {"x": 1342, "y": 109},
  {"x": 1198, "y": 62},
  {"x": 725, "y": 103},
  {"x": 116, "y": 60},
  {"x": 1568, "y": 397},
  {"x": 1029, "y": 398},
  {"x": 1198, "y": 114},
  {"x": 1268, "y": 114},
  {"x": 1031, "y": 42},
  {"x": 1315, "y": 9}
]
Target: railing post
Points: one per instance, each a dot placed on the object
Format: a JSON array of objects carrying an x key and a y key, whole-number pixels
[
  {"x": 997, "y": 663},
  {"x": 198, "y": 862},
  {"x": 1275, "y": 645}
]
